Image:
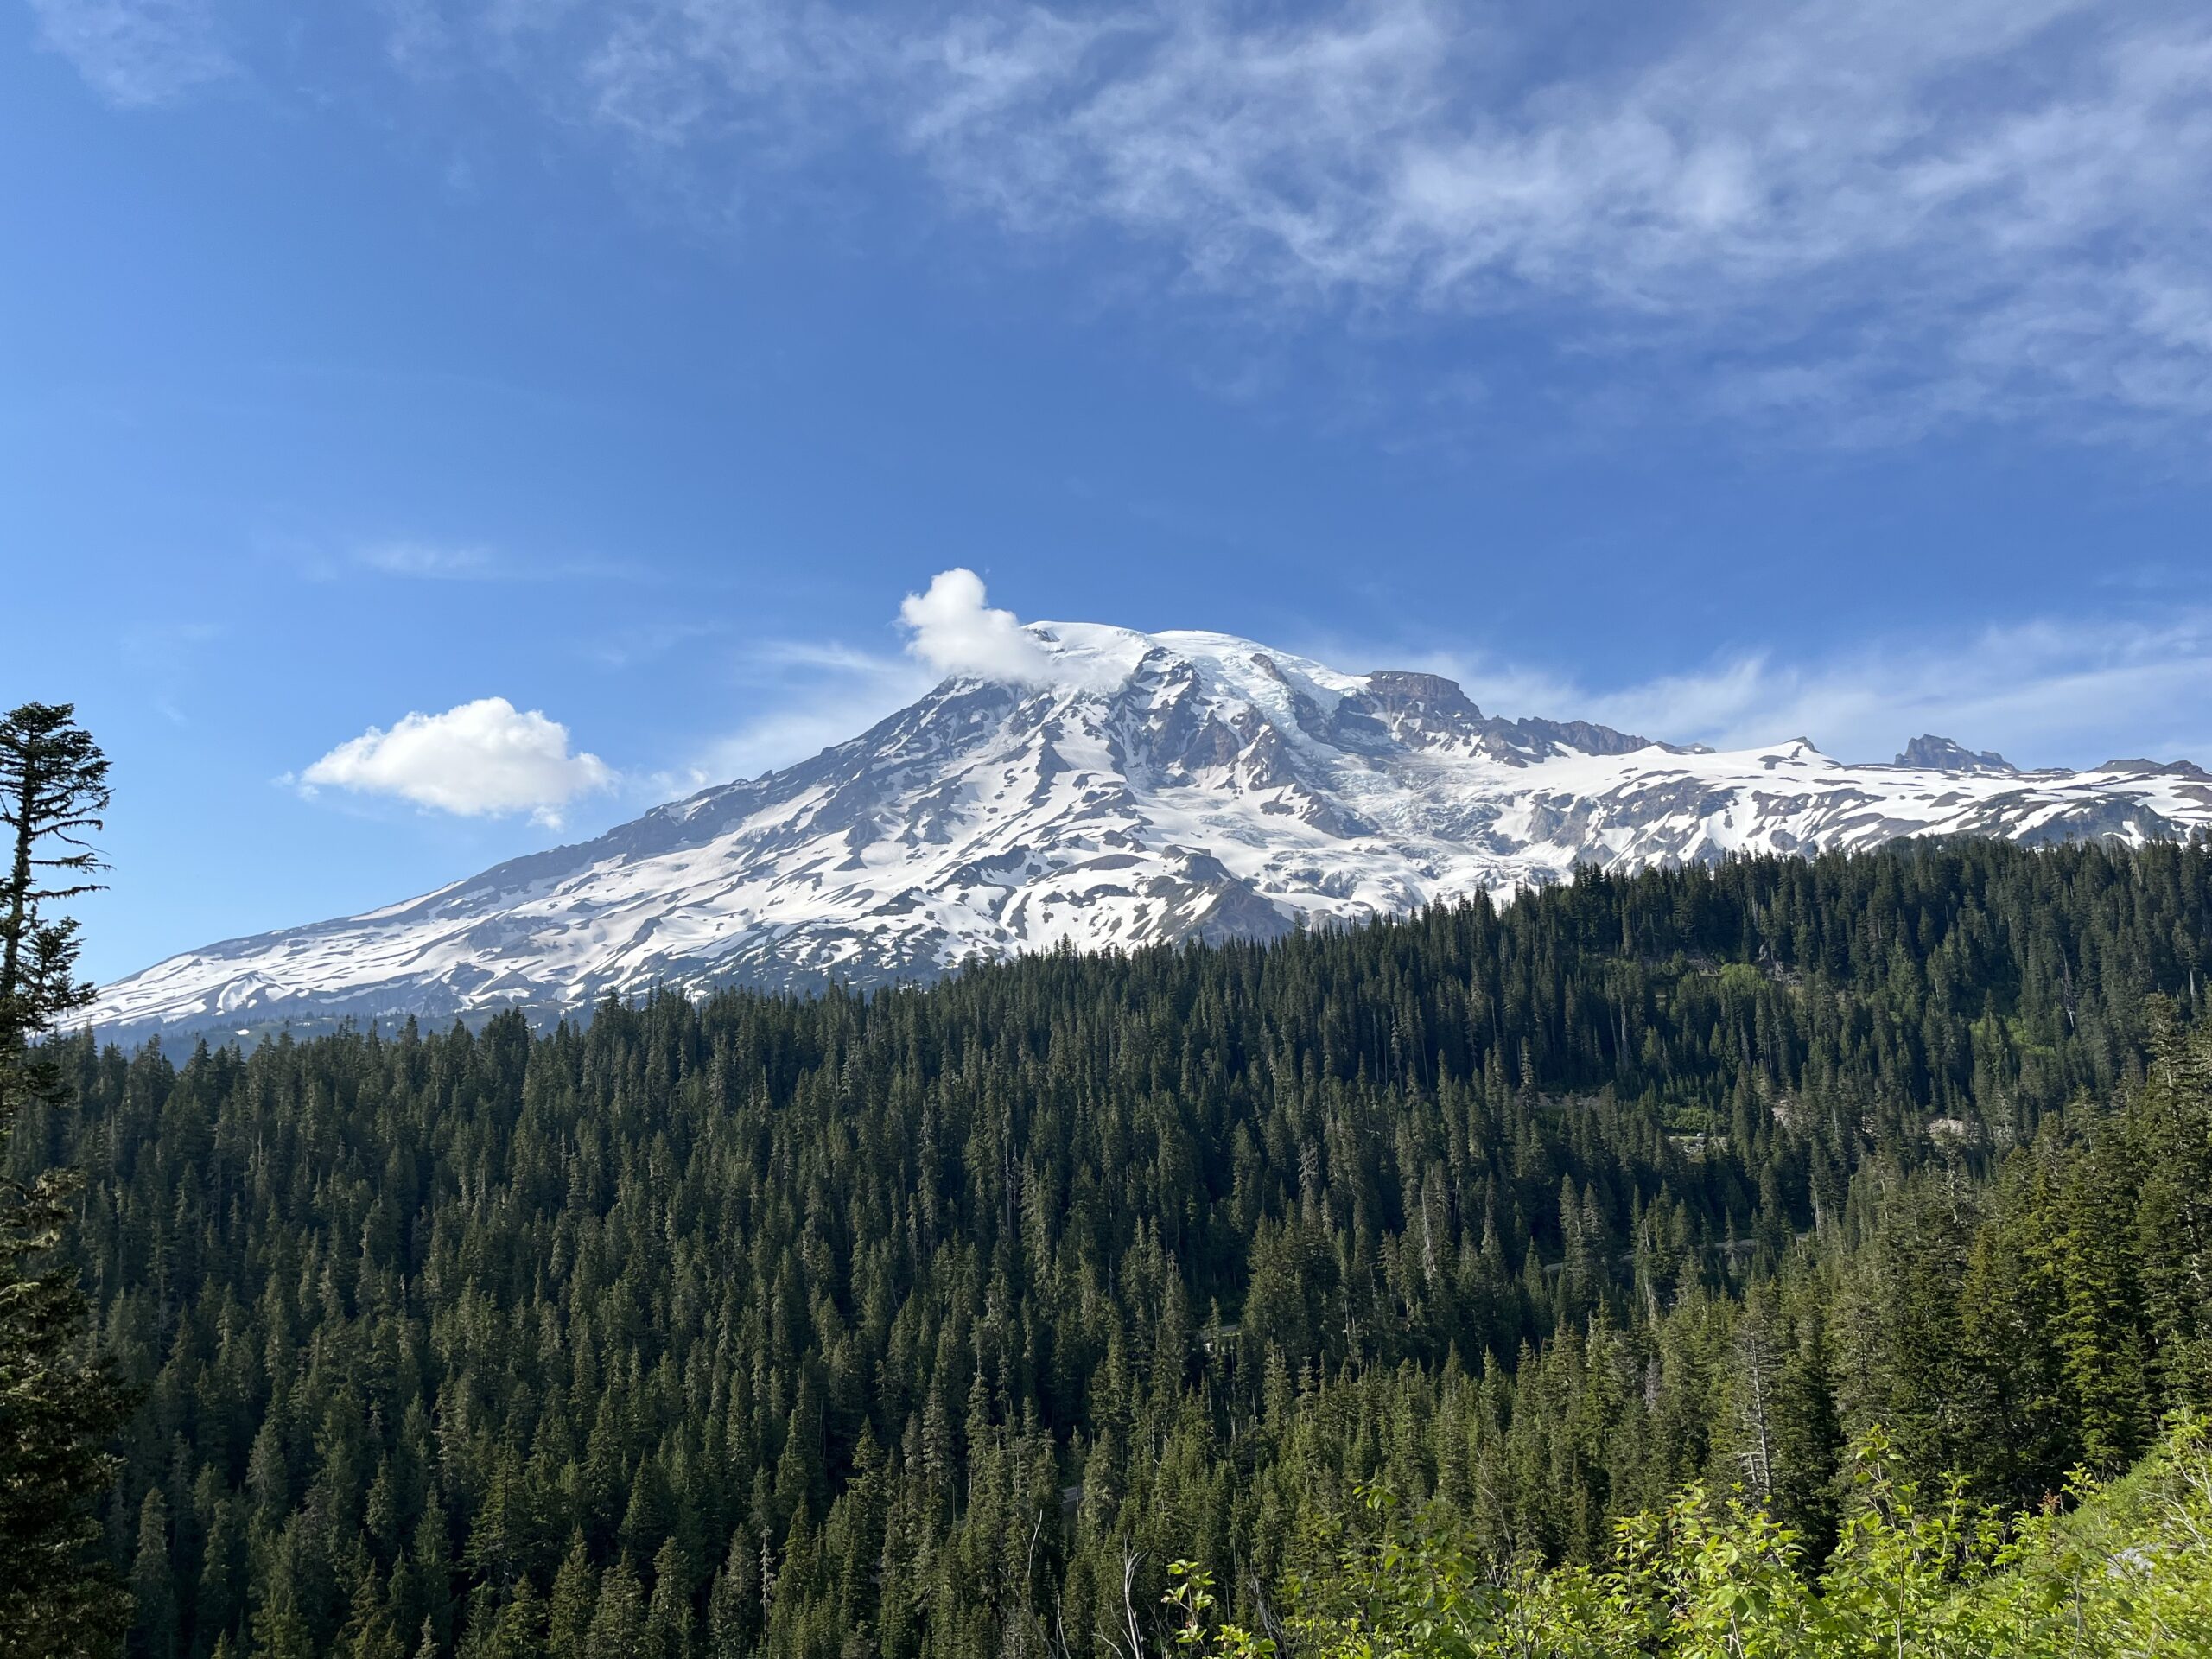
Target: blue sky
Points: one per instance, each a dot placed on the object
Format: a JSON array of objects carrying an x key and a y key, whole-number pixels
[{"x": 1723, "y": 372}]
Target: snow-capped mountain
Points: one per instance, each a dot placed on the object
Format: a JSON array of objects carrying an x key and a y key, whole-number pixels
[{"x": 1151, "y": 787}]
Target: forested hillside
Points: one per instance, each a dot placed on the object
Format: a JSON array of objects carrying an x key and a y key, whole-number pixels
[{"x": 912, "y": 1324}]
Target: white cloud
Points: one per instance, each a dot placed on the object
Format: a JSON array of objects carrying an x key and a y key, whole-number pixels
[
  {"x": 416, "y": 39},
  {"x": 819, "y": 693},
  {"x": 814, "y": 694},
  {"x": 466, "y": 562},
  {"x": 786, "y": 736},
  {"x": 1981, "y": 208},
  {"x": 136, "y": 53},
  {"x": 952, "y": 629},
  {"x": 809, "y": 694},
  {"x": 427, "y": 561},
  {"x": 1867, "y": 218},
  {"x": 1859, "y": 220},
  {"x": 2045, "y": 693},
  {"x": 647, "y": 642},
  {"x": 481, "y": 756}
]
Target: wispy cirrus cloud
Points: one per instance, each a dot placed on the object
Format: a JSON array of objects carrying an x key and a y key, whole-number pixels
[
  {"x": 1854, "y": 220},
  {"x": 2046, "y": 692},
  {"x": 805, "y": 696},
  {"x": 136, "y": 54},
  {"x": 422, "y": 561},
  {"x": 2072, "y": 692},
  {"x": 1870, "y": 220},
  {"x": 641, "y": 643}
]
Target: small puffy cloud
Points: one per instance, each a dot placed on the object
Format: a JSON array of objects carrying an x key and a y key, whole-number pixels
[
  {"x": 481, "y": 756},
  {"x": 955, "y": 632}
]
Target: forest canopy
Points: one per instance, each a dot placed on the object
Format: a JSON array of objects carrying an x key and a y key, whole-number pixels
[{"x": 940, "y": 1321}]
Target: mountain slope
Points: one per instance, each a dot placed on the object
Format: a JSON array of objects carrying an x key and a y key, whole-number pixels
[{"x": 1158, "y": 787}]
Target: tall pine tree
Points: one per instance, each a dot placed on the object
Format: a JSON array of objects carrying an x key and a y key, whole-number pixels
[{"x": 59, "y": 1406}]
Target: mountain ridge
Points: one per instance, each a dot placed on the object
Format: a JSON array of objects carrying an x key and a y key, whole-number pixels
[{"x": 1136, "y": 789}]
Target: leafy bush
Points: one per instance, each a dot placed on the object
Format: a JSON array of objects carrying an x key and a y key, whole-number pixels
[{"x": 1917, "y": 1574}]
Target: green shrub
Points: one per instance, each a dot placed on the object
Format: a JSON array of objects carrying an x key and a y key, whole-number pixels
[{"x": 2125, "y": 1571}]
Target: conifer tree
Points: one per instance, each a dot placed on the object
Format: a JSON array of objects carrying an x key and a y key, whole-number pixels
[
  {"x": 668, "y": 1613},
  {"x": 59, "y": 1406},
  {"x": 520, "y": 1631},
  {"x": 155, "y": 1631},
  {"x": 568, "y": 1612},
  {"x": 618, "y": 1622},
  {"x": 866, "y": 1324}
]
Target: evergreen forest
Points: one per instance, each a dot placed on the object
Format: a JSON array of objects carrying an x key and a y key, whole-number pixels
[{"x": 1021, "y": 1313}]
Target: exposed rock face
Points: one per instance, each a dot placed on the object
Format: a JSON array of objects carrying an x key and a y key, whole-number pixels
[
  {"x": 1162, "y": 787},
  {"x": 1941, "y": 754}
]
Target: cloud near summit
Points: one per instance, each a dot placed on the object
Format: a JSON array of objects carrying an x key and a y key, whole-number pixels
[{"x": 954, "y": 631}]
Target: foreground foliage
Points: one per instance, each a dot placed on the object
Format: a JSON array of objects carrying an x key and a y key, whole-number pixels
[
  {"x": 936, "y": 1324},
  {"x": 1916, "y": 1574}
]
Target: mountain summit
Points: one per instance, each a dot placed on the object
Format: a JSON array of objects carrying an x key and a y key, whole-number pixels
[
  {"x": 1930, "y": 754},
  {"x": 1132, "y": 789}
]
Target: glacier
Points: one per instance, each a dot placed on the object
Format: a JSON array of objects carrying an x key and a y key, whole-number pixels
[{"x": 1151, "y": 788}]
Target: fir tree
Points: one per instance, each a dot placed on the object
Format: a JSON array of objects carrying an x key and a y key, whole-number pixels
[
  {"x": 869, "y": 1323},
  {"x": 59, "y": 1405}
]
